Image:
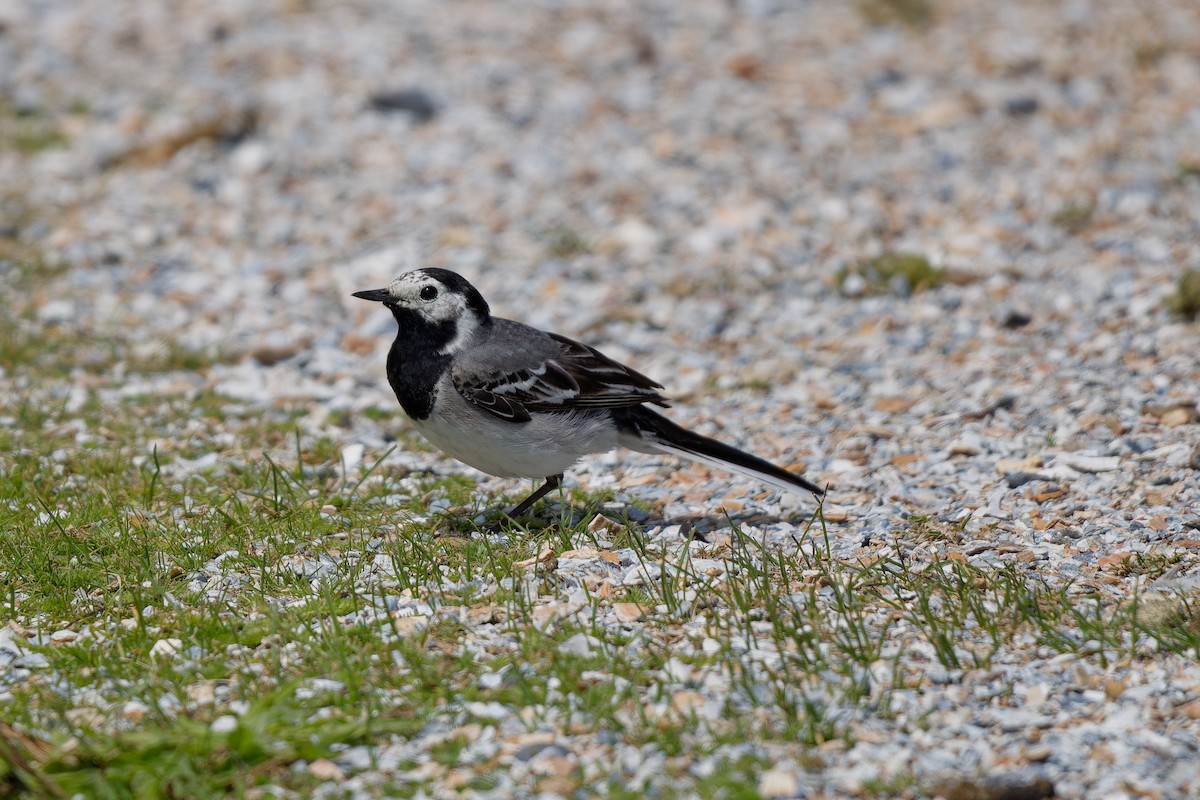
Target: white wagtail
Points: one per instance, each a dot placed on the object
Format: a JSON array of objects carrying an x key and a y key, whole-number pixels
[{"x": 518, "y": 402}]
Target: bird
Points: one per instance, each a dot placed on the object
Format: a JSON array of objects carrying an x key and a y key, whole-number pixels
[{"x": 515, "y": 401}]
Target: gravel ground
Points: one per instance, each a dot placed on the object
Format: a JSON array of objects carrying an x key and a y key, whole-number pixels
[{"x": 686, "y": 186}]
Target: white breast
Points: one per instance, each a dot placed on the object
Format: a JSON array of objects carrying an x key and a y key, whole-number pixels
[{"x": 549, "y": 444}]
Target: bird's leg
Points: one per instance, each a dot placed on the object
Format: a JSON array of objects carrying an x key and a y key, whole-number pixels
[{"x": 550, "y": 485}]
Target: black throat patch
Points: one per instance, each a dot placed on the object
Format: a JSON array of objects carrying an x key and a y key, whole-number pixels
[{"x": 415, "y": 363}]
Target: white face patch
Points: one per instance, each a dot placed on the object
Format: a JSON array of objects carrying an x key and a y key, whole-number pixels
[
  {"x": 464, "y": 332},
  {"x": 438, "y": 304}
]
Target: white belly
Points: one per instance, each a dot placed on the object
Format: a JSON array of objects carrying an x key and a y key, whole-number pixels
[{"x": 549, "y": 444}]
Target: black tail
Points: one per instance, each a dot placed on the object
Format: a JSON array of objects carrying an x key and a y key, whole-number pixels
[{"x": 647, "y": 431}]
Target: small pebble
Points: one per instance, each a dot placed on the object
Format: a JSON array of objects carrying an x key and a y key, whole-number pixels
[
  {"x": 224, "y": 724},
  {"x": 778, "y": 783},
  {"x": 412, "y": 101},
  {"x": 325, "y": 770}
]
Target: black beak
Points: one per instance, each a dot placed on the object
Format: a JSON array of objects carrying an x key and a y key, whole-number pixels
[{"x": 374, "y": 295}]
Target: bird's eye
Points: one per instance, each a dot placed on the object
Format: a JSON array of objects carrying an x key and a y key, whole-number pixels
[{"x": 428, "y": 293}]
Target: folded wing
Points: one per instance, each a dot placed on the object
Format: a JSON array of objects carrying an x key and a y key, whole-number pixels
[{"x": 522, "y": 370}]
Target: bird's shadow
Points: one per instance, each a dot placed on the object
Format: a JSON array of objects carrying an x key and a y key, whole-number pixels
[
  {"x": 553, "y": 516},
  {"x": 700, "y": 526}
]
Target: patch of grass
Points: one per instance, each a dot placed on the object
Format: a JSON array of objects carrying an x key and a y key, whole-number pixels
[
  {"x": 169, "y": 356},
  {"x": 916, "y": 14},
  {"x": 1149, "y": 52},
  {"x": 51, "y": 350},
  {"x": 760, "y": 385},
  {"x": 1171, "y": 617},
  {"x": 28, "y": 266},
  {"x": 22, "y": 343},
  {"x": 377, "y": 414},
  {"x": 734, "y": 778},
  {"x": 565, "y": 243},
  {"x": 184, "y": 757},
  {"x": 206, "y": 603},
  {"x": 1148, "y": 565},
  {"x": 105, "y": 544},
  {"x": 1073, "y": 218},
  {"x": 28, "y": 131},
  {"x": 896, "y": 272},
  {"x": 18, "y": 258},
  {"x": 30, "y": 140},
  {"x": 1185, "y": 301},
  {"x": 925, "y": 529},
  {"x": 894, "y": 786}
]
